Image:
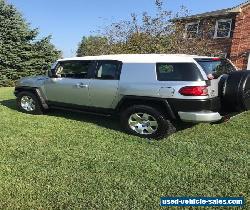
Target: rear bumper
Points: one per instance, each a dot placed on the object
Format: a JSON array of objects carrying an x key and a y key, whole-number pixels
[
  {"x": 195, "y": 105},
  {"x": 203, "y": 116}
]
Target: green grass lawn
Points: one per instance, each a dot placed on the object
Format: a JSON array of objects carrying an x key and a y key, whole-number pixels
[{"x": 65, "y": 160}]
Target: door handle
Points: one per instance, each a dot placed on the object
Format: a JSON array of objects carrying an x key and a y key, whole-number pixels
[{"x": 81, "y": 85}]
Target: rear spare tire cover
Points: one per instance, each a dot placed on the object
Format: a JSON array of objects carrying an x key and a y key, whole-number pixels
[
  {"x": 245, "y": 91},
  {"x": 237, "y": 91}
]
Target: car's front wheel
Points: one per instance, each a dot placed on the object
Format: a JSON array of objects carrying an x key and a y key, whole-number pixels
[
  {"x": 146, "y": 121},
  {"x": 28, "y": 102}
]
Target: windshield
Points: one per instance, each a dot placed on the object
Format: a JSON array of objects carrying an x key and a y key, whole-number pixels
[
  {"x": 216, "y": 66},
  {"x": 53, "y": 66}
]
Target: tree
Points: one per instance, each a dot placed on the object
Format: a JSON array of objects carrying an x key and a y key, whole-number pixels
[
  {"x": 93, "y": 45},
  {"x": 147, "y": 34},
  {"x": 20, "y": 52}
]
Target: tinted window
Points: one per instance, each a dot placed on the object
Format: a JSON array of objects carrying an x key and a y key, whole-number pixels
[
  {"x": 108, "y": 70},
  {"x": 178, "y": 72},
  {"x": 73, "y": 69},
  {"x": 216, "y": 67}
]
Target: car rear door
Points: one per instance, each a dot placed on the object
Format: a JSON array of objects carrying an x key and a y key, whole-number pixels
[
  {"x": 215, "y": 68},
  {"x": 70, "y": 85},
  {"x": 104, "y": 83}
]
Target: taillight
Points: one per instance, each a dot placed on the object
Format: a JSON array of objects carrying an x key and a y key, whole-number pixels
[
  {"x": 194, "y": 91},
  {"x": 216, "y": 59}
]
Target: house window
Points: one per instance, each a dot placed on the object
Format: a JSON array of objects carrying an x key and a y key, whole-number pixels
[
  {"x": 223, "y": 28},
  {"x": 191, "y": 30},
  {"x": 221, "y": 55}
]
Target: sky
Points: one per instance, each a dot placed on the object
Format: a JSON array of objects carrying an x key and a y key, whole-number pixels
[{"x": 68, "y": 21}]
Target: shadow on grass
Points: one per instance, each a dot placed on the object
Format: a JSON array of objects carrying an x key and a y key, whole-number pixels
[
  {"x": 111, "y": 122},
  {"x": 11, "y": 104},
  {"x": 107, "y": 122},
  {"x": 226, "y": 117}
]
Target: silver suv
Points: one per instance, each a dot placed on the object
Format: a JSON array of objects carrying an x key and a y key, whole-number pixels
[{"x": 149, "y": 92}]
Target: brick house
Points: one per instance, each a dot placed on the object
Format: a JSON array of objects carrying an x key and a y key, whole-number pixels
[{"x": 227, "y": 32}]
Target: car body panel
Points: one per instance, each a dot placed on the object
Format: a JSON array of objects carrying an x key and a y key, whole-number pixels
[
  {"x": 102, "y": 93},
  {"x": 35, "y": 81},
  {"x": 66, "y": 90}
]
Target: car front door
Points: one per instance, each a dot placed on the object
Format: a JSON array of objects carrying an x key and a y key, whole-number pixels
[
  {"x": 70, "y": 84},
  {"x": 104, "y": 83}
]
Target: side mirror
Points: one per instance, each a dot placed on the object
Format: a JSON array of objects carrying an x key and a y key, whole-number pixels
[{"x": 49, "y": 73}]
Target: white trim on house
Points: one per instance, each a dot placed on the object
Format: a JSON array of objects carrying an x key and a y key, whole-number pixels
[
  {"x": 217, "y": 25},
  {"x": 189, "y": 24},
  {"x": 223, "y": 55},
  {"x": 248, "y": 64}
]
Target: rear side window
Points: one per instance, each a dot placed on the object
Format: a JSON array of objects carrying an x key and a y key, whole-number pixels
[
  {"x": 215, "y": 66},
  {"x": 178, "y": 72},
  {"x": 108, "y": 70}
]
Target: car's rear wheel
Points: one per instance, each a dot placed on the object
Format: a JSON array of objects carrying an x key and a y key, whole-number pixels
[
  {"x": 146, "y": 121},
  {"x": 28, "y": 102}
]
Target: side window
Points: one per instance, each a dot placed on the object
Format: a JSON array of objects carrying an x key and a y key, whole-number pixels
[
  {"x": 192, "y": 30},
  {"x": 73, "y": 69},
  {"x": 178, "y": 72},
  {"x": 108, "y": 70},
  {"x": 223, "y": 28},
  {"x": 216, "y": 66}
]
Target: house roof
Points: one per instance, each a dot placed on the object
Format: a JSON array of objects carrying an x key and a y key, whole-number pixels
[{"x": 216, "y": 13}]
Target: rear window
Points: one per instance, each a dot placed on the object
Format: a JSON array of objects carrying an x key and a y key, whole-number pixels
[
  {"x": 178, "y": 72},
  {"x": 217, "y": 67}
]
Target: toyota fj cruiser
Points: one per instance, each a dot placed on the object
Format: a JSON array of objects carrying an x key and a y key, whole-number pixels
[{"x": 149, "y": 92}]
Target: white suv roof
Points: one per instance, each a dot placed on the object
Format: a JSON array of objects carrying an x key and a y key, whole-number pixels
[{"x": 141, "y": 58}]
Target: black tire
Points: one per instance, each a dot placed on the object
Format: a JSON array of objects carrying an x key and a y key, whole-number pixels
[
  {"x": 245, "y": 92},
  {"x": 235, "y": 91},
  {"x": 164, "y": 129},
  {"x": 222, "y": 88},
  {"x": 37, "y": 108}
]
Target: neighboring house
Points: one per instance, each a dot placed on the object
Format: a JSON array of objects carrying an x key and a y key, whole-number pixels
[{"x": 227, "y": 32}]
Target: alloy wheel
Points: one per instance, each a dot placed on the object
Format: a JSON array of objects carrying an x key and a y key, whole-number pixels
[
  {"x": 143, "y": 123},
  {"x": 28, "y": 104}
]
